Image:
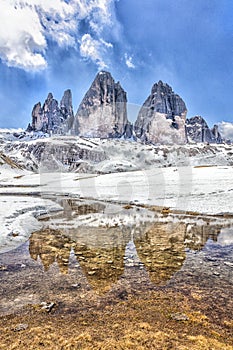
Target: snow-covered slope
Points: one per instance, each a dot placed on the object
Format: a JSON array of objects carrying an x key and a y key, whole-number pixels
[
  {"x": 10, "y": 169},
  {"x": 70, "y": 153},
  {"x": 205, "y": 190},
  {"x": 18, "y": 218}
]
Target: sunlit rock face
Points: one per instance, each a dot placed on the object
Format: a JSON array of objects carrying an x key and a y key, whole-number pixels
[
  {"x": 161, "y": 119},
  {"x": 67, "y": 114},
  {"x": 52, "y": 117},
  {"x": 198, "y": 131},
  {"x": 102, "y": 112}
]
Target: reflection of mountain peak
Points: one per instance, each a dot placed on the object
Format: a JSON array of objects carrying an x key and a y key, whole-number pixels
[
  {"x": 158, "y": 246},
  {"x": 161, "y": 250},
  {"x": 50, "y": 246},
  {"x": 102, "y": 267}
]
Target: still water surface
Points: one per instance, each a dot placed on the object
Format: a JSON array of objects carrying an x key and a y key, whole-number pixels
[{"x": 93, "y": 251}]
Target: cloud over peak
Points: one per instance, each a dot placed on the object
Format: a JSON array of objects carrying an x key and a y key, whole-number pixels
[
  {"x": 129, "y": 61},
  {"x": 226, "y": 130},
  {"x": 26, "y": 27},
  {"x": 93, "y": 49}
]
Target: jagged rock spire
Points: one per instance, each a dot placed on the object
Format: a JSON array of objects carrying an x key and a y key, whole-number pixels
[
  {"x": 198, "y": 131},
  {"x": 162, "y": 117},
  {"x": 102, "y": 112},
  {"x": 52, "y": 118}
]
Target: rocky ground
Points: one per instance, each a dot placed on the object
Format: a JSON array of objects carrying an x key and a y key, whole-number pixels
[{"x": 66, "y": 153}]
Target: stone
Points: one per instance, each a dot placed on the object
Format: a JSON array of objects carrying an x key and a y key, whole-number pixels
[
  {"x": 199, "y": 131},
  {"x": 37, "y": 117},
  {"x": 66, "y": 108},
  {"x": 179, "y": 316},
  {"x": 161, "y": 119},
  {"x": 103, "y": 112},
  {"x": 216, "y": 134},
  {"x": 47, "y": 306},
  {"x": 51, "y": 117},
  {"x": 20, "y": 327}
]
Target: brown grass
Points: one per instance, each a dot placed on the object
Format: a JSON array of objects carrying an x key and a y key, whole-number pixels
[{"x": 141, "y": 322}]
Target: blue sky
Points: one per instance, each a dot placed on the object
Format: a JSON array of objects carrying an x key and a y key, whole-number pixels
[{"x": 59, "y": 44}]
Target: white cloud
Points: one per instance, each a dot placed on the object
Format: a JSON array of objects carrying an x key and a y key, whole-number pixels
[
  {"x": 21, "y": 38},
  {"x": 226, "y": 130},
  {"x": 27, "y": 25},
  {"x": 128, "y": 61},
  {"x": 91, "y": 49}
]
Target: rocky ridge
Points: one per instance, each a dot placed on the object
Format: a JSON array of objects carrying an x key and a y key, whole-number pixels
[
  {"x": 198, "y": 131},
  {"x": 103, "y": 114},
  {"x": 76, "y": 154},
  {"x": 53, "y": 118}
]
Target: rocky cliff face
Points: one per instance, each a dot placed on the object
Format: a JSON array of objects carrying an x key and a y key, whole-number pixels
[
  {"x": 216, "y": 134},
  {"x": 69, "y": 153},
  {"x": 102, "y": 112},
  {"x": 66, "y": 109},
  {"x": 36, "y": 117},
  {"x": 198, "y": 131},
  {"x": 162, "y": 117},
  {"x": 52, "y": 118}
]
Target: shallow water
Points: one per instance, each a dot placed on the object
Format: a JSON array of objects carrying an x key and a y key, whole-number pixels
[
  {"x": 92, "y": 251},
  {"x": 100, "y": 275}
]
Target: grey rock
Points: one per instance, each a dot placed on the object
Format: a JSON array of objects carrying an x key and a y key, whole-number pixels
[
  {"x": 103, "y": 112},
  {"x": 161, "y": 119},
  {"x": 66, "y": 108},
  {"x": 179, "y": 317},
  {"x": 72, "y": 153},
  {"x": 37, "y": 117},
  {"x": 199, "y": 131},
  {"x": 128, "y": 130},
  {"x": 20, "y": 327},
  {"x": 51, "y": 115},
  {"x": 52, "y": 118},
  {"x": 216, "y": 134}
]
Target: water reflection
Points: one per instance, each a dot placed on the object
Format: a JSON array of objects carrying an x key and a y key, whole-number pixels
[
  {"x": 73, "y": 264},
  {"x": 50, "y": 246},
  {"x": 101, "y": 266},
  {"x": 161, "y": 250},
  {"x": 197, "y": 234},
  {"x": 225, "y": 237},
  {"x": 100, "y": 252}
]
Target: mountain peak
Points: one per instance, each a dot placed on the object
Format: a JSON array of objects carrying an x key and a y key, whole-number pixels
[
  {"x": 102, "y": 112},
  {"x": 199, "y": 131},
  {"x": 50, "y": 118},
  {"x": 50, "y": 96},
  {"x": 162, "y": 116},
  {"x": 104, "y": 72}
]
